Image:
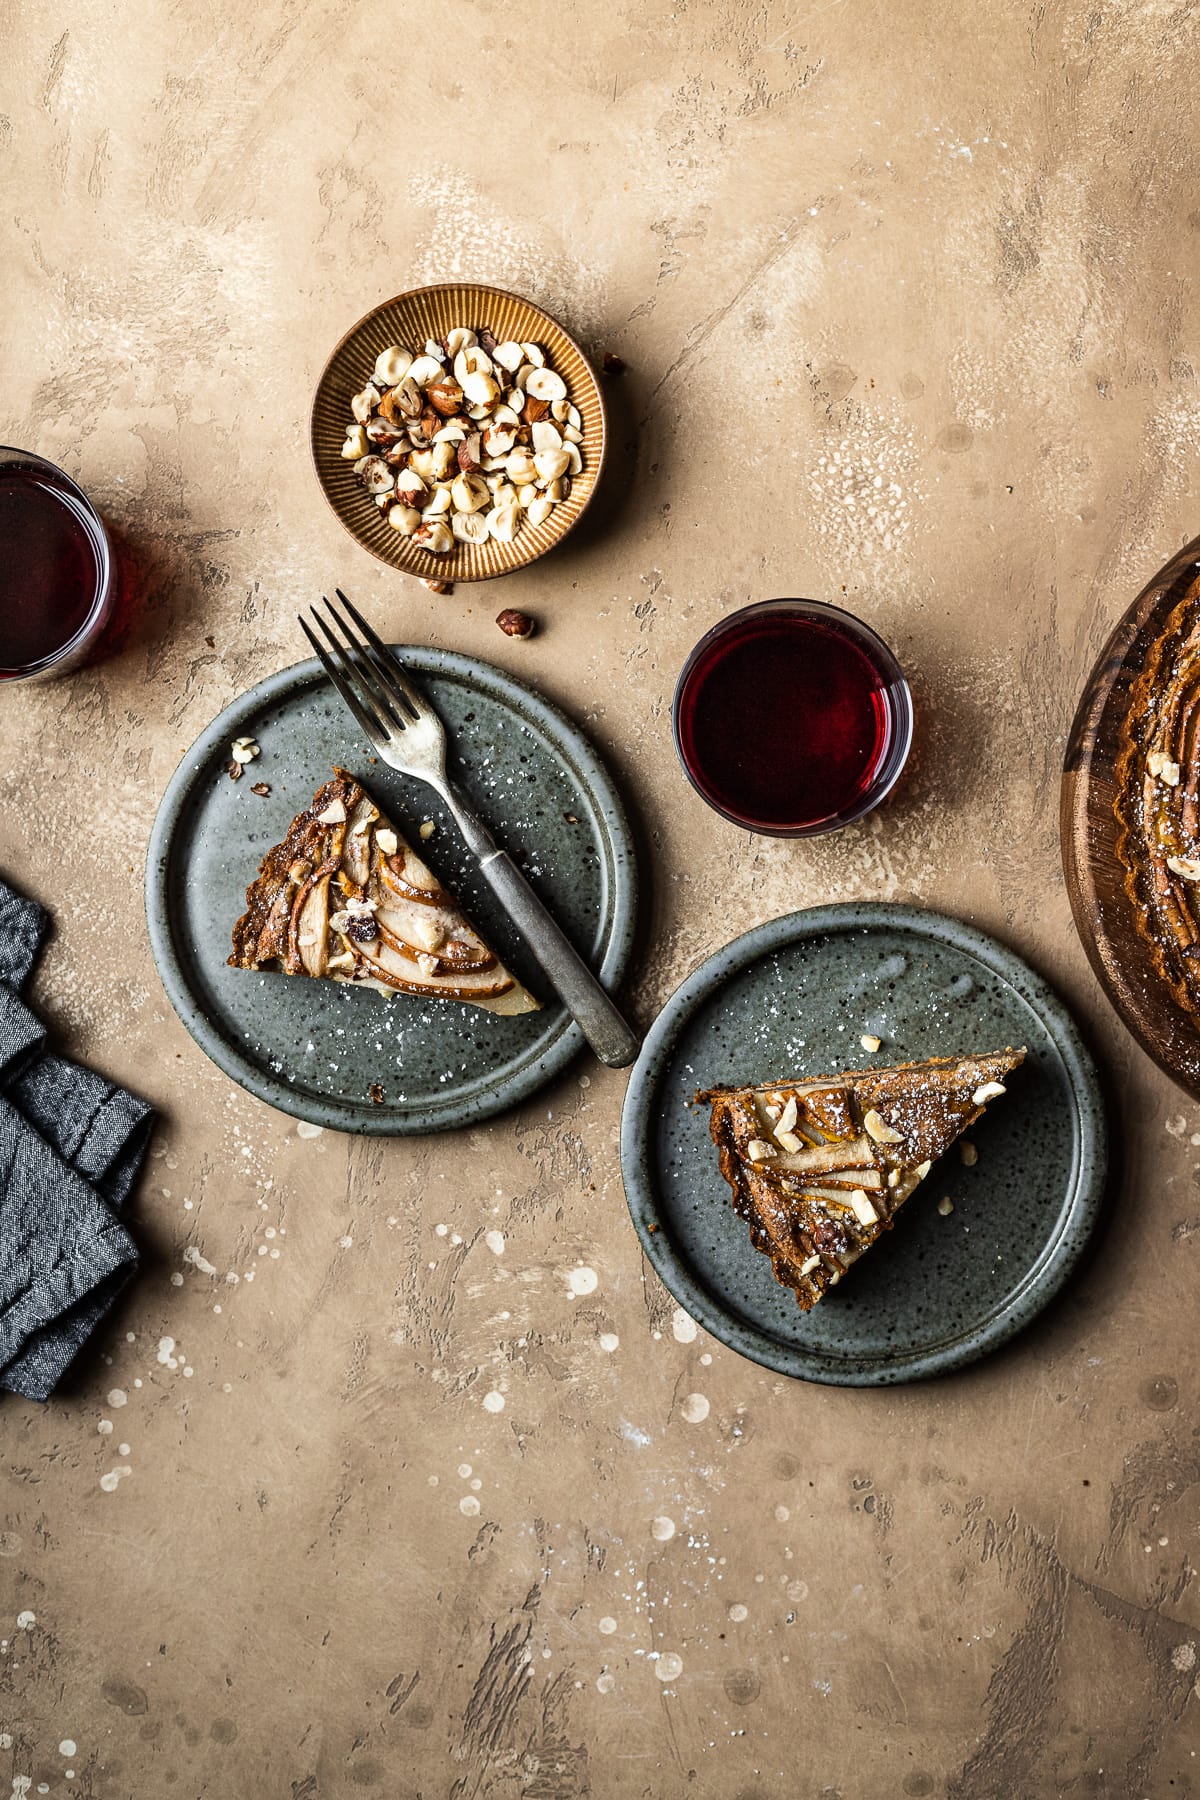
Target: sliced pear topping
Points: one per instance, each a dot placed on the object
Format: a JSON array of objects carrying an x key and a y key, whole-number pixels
[{"x": 313, "y": 928}]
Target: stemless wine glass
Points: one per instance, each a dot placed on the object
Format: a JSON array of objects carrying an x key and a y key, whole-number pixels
[
  {"x": 57, "y": 578},
  {"x": 792, "y": 717}
]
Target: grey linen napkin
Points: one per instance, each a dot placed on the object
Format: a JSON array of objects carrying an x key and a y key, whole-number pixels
[{"x": 71, "y": 1145}]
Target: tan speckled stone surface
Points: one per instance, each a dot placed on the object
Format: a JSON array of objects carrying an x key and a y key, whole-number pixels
[{"x": 951, "y": 249}]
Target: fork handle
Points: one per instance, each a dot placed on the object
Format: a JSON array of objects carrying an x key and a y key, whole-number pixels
[{"x": 613, "y": 1040}]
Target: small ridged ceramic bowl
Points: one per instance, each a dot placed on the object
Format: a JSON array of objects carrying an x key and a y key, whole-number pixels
[{"x": 410, "y": 319}]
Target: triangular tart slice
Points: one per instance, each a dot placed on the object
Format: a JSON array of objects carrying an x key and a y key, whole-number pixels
[
  {"x": 819, "y": 1169},
  {"x": 345, "y": 898}
]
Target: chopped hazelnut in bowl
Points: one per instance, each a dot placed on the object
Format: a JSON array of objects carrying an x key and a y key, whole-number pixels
[{"x": 458, "y": 432}]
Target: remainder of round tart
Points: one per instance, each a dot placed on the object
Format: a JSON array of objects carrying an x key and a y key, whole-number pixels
[
  {"x": 1158, "y": 801},
  {"x": 345, "y": 898},
  {"x": 820, "y": 1168}
]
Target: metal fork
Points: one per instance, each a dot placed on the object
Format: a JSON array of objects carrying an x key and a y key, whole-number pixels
[{"x": 407, "y": 733}]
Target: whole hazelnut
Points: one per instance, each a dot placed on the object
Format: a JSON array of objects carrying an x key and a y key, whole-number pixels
[{"x": 516, "y": 624}]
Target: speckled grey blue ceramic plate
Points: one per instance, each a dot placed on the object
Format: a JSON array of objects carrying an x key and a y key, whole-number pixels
[
  {"x": 793, "y": 998},
  {"x": 313, "y": 1048}
]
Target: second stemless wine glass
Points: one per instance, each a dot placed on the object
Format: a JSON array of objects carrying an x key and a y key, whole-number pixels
[{"x": 792, "y": 717}]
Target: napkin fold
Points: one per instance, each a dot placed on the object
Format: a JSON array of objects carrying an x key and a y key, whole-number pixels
[{"x": 71, "y": 1146}]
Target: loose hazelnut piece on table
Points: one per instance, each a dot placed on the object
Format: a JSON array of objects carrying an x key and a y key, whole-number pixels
[{"x": 516, "y": 624}]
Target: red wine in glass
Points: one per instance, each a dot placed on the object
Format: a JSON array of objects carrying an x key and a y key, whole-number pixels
[
  {"x": 792, "y": 718},
  {"x": 56, "y": 569}
]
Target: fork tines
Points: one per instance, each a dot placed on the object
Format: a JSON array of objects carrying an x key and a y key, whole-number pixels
[{"x": 364, "y": 671}]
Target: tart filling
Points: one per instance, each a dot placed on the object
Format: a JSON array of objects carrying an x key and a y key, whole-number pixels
[
  {"x": 345, "y": 898},
  {"x": 820, "y": 1168}
]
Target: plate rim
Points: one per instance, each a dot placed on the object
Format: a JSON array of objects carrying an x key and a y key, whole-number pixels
[
  {"x": 508, "y": 1090},
  {"x": 1076, "y": 1222},
  {"x": 479, "y": 287}
]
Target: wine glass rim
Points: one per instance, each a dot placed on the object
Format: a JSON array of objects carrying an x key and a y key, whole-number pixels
[{"x": 794, "y": 606}]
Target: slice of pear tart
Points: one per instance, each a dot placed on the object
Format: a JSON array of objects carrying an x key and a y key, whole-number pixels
[
  {"x": 819, "y": 1169},
  {"x": 345, "y": 898}
]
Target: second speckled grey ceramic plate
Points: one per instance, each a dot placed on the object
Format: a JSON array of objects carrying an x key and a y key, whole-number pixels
[
  {"x": 793, "y": 998},
  {"x": 314, "y": 1048}
]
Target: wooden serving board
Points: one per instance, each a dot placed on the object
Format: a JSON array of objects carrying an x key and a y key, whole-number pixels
[{"x": 1104, "y": 912}]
